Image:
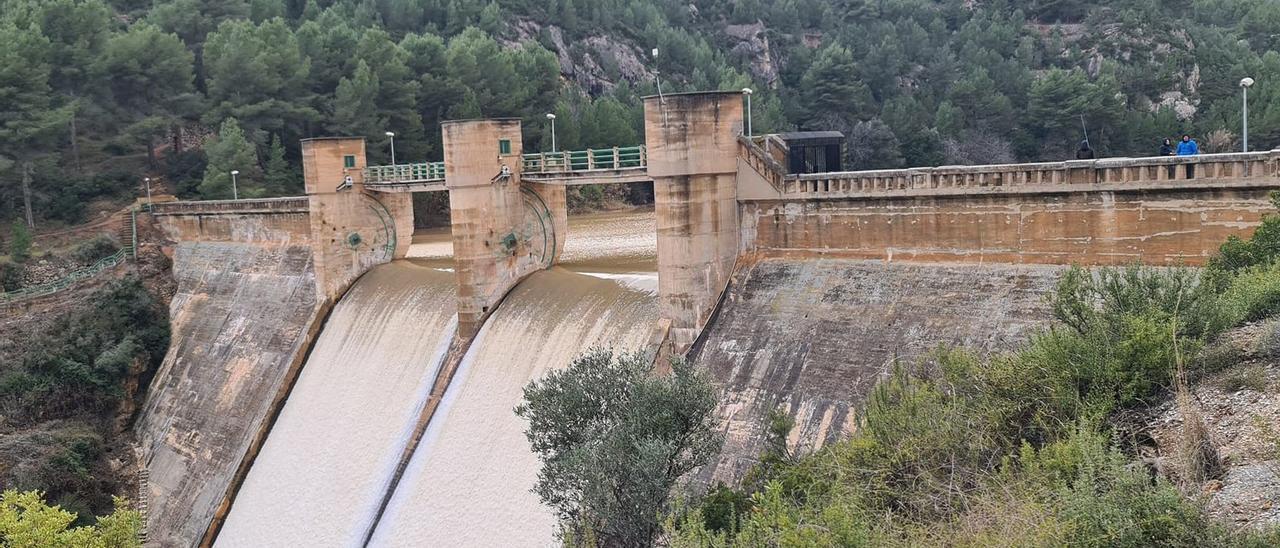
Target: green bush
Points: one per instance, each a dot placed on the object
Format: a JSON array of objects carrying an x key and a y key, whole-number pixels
[
  {"x": 84, "y": 357},
  {"x": 19, "y": 241},
  {"x": 1263, "y": 247},
  {"x": 1011, "y": 449},
  {"x": 10, "y": 275},
  {"x": 89, "y": 252},
  {"x": 1252, "y": 293}
]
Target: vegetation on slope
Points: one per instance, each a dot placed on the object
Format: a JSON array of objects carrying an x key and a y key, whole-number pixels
[
  {"x": 1019, "y": 449},
  {"x": 26, "y": 521},
  {"x": 97, "y": 91},
  {"x": 69, "y": 383}
]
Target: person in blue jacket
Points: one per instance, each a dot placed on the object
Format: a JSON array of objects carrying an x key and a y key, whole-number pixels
[{"x": 1188, "y": 147}]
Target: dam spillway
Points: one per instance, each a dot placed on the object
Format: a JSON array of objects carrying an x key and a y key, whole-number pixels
[
  {"x": 327, "y": 463},
  {"x": 474, "y": 465}
]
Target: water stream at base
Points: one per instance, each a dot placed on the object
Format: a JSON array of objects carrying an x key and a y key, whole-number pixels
[
  {"x": 331, "y": 454},
  {"x": 468, "y": 483}
]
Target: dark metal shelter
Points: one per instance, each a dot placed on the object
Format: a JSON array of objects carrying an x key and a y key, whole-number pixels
[{"x": 812, "y": 151}]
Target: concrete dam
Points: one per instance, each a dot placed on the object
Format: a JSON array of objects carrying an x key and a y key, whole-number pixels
[{"x": 332, "y": 382}]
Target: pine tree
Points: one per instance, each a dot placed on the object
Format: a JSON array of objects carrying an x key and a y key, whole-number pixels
[
  {"x": 280, "y": 178},
  {"x": 30, "y": 116},
  {"x": 19, "y": 242},
  {"x": 230, "y": 151},
  {"x": 355, "y": 105}
]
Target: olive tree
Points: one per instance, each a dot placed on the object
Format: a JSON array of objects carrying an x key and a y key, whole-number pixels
[{"x": 614, "y": 437}]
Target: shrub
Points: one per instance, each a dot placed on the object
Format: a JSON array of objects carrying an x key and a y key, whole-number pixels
[
  {"x": 85, "y": 356},
  {"x": 1250, "y": 378},
  {"x": 1261, "y": 248},
  {"x": 19, "y": 241},
  {"x": 91, "y": 251},
  {"x": 614, "y": 439},
  {"x": 27, "y": 520},
  {"x": 11, "y": 275},
  {"x": 1253, "y": 293}
]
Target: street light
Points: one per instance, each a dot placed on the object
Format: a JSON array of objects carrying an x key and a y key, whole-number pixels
[
  {"x": 1244, "y": 121},
  {"x": 392, "y": 135},
  {"x": 747, "y": 92},
  {"x": 552, "y": 117},
  {"x": 148, "y": 180},
  {"x": 235, "y": 195}
]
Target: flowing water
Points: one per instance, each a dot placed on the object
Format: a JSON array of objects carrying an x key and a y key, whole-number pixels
[
  {"x": 469, "y": 482},
  {"x": 331, "y": 454}
]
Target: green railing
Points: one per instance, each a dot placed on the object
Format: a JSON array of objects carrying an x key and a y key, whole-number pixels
[
  {"x": 586, "y": 160},
  {"x": 404, "y": 173},
  {"x": 64, "y": 282},
  {"x": 105, "y": 263}
]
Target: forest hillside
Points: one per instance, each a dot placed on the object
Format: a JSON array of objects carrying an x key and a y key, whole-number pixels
[{"x": 98, "y": 94}]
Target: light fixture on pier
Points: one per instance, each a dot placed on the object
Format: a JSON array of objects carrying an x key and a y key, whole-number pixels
[
  {"x": 392, "y": 135},
  {"x": 1245, "y": 84},
  {"x": 235, "y": 195},
  {"x": 552, "y": 117},
  {"x": 747, "y": 92}
]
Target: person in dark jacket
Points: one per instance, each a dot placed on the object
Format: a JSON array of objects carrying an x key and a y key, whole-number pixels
[
  {"x": 1084, "y": 153},
  {"x": 1166, "y": 149},
  {"x": 1189, "y": 147}
]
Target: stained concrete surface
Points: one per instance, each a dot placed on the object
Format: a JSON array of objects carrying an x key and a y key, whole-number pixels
[
  {"x": 813, "y": 336},
  {"x": 239, "y": 318}
]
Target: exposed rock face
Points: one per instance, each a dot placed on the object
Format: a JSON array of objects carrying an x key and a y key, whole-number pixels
[
  {"x": 239, "y": 319},
  {"x": 812, "y": 337},
  {"x": 753, "y": 44}
]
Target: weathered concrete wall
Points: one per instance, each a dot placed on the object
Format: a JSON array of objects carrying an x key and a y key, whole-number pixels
[
  {"x": 812, "y": 337},
  {"x": 1173, "y": 226},
  {"x": 493, "y": 220},
  {"x": 692, "y": 142},
  {"x": 246, "y": 299},
  {"x": 352, "y": 230}
]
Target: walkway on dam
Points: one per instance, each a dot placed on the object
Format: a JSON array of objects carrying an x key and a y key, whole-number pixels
[{"x": 576, "y": 167}]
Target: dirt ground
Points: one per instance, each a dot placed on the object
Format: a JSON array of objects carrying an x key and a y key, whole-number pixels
[{"x": 1240, "y": 405}]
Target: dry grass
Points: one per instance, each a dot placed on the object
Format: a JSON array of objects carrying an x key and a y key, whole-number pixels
[{"x": 1198, "y": 458}]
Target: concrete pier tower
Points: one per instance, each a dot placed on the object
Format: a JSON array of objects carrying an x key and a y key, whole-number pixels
[
  {"x": 501, "y": 231},
  {"x": 351, "y": 230},
  {"x": 692, "y": 141}
]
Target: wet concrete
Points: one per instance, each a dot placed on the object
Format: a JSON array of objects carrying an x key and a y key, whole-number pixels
[
  {"x": 330, "y": 457},
  {"x": 469, "y": 481}
]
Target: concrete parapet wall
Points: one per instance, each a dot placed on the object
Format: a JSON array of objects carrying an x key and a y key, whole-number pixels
[
  {"x": 1157, "y": 226},
  {"x": 1240, "y": 169},
  {"x": 251, "y": 227}
]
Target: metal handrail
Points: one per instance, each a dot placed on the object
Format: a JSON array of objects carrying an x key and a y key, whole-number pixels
[
  {"x": 49, "y": 288},
  {"x": 404, "y": 173},
  {"x": 586, "y": 160}
]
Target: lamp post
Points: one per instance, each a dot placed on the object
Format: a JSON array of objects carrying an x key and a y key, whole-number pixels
[
  {"x": 747, "y": 92},
  {"x": 148, "y": 181},
  {"x": 1244, "y": 121},
  {"x": 552, "y": 117},
  {"x": 392, "y": 135},
  {"x": 235, "y": 195}
]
